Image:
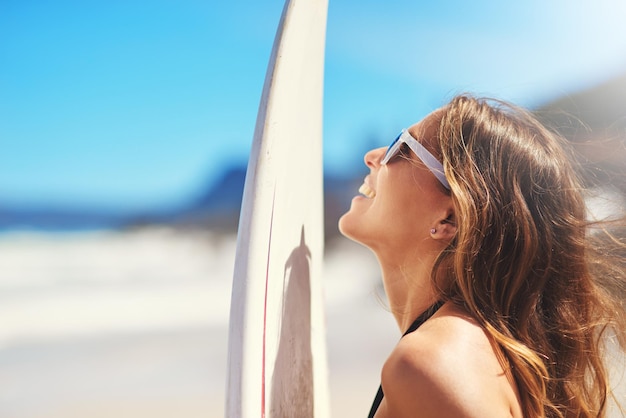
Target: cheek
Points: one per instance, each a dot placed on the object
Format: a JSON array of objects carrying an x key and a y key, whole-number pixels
[
  {"x": 398, "y": 200},
  {"x": 408, "y": 213}
]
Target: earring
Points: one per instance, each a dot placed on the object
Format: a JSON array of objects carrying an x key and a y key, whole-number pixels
[{"x": 433, "y": 230}]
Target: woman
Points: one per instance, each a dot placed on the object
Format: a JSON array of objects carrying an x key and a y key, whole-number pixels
[{"x": 478, "y": 223}]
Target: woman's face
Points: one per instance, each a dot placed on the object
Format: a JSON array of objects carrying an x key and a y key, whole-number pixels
[{"x": 400, "y": 201}]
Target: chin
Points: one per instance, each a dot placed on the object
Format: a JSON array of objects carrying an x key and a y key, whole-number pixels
[
  {"x": 342, "y": 225},
  {"x": 351, "y": 228},
  {"x": 347, "y": 226}
]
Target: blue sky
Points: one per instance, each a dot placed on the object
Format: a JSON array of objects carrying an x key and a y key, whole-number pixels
[{"x": 135, "y": 104}]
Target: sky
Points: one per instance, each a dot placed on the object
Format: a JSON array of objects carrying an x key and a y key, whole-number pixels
[{"x": 135, "y": 104}]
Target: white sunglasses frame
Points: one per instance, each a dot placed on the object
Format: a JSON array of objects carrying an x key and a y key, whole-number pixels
[{"x": 422, "y": 153}]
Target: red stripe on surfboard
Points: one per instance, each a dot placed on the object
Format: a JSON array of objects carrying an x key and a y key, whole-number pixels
[{"x": 267, "y": 275}]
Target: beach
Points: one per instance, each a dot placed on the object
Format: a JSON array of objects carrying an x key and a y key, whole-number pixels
[{"x": 135, "y": 323}]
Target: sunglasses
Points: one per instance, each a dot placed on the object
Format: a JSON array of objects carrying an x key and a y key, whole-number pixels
[{"x": 422, "y": 153}]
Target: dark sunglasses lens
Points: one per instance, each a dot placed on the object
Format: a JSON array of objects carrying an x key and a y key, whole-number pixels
[{"x": 391, "y": 146}]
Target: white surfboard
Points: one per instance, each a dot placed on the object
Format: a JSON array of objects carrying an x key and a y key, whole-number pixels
[{"x": 277, "y": 363}]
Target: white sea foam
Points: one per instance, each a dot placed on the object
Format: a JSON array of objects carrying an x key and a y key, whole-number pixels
[
  {"x": 55, "y": 286},
  {"x": 135, "y": 323},
  {"x": 61, "y": 285}
]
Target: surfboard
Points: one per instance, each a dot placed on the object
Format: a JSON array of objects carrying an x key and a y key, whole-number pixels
[{"x": 277, "y": 364}]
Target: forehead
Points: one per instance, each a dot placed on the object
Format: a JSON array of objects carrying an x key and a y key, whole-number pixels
[{"x": 425, "y": 131}]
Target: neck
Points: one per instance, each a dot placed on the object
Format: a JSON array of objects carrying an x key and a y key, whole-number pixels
[{"x": 408, "y": 287}]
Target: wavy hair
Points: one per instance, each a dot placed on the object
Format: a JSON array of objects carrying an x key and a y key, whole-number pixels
[{"x": 524, "y": 261}]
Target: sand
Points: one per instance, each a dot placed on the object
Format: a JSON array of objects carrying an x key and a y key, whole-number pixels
[
  {"x": 130, "y": 324},
  {"x": 135, "y": 324}
]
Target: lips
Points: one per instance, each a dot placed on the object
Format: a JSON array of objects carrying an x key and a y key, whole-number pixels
[{"x": 367, "y": 191}]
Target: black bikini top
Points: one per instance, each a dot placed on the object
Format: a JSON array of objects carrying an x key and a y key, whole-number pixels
[{"x": 415, "y": 325}]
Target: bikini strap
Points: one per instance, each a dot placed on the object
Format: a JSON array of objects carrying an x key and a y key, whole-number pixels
[{"x": 415, "y": 325}]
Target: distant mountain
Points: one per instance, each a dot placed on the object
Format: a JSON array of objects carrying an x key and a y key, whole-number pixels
[
  {"x": 218, "y": 208},
  {"x": 602, "y": 109},
  {"x": 594, "y": 120}
]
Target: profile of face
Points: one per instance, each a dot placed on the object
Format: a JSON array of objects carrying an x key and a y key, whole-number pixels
[{"x": 402, "y": 202}]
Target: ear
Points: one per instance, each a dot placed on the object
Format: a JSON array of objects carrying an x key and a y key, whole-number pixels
[{"x": 445, "y": 227}]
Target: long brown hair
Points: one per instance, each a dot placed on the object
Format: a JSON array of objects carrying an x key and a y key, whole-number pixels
[{"x": 524, "y": 262}]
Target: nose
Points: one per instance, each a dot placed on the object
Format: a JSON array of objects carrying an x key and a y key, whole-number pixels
[{"x": 373, "y": 157}]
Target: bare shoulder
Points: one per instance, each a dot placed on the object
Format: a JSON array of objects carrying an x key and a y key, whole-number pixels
[{"x": 446, "y": 368}]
